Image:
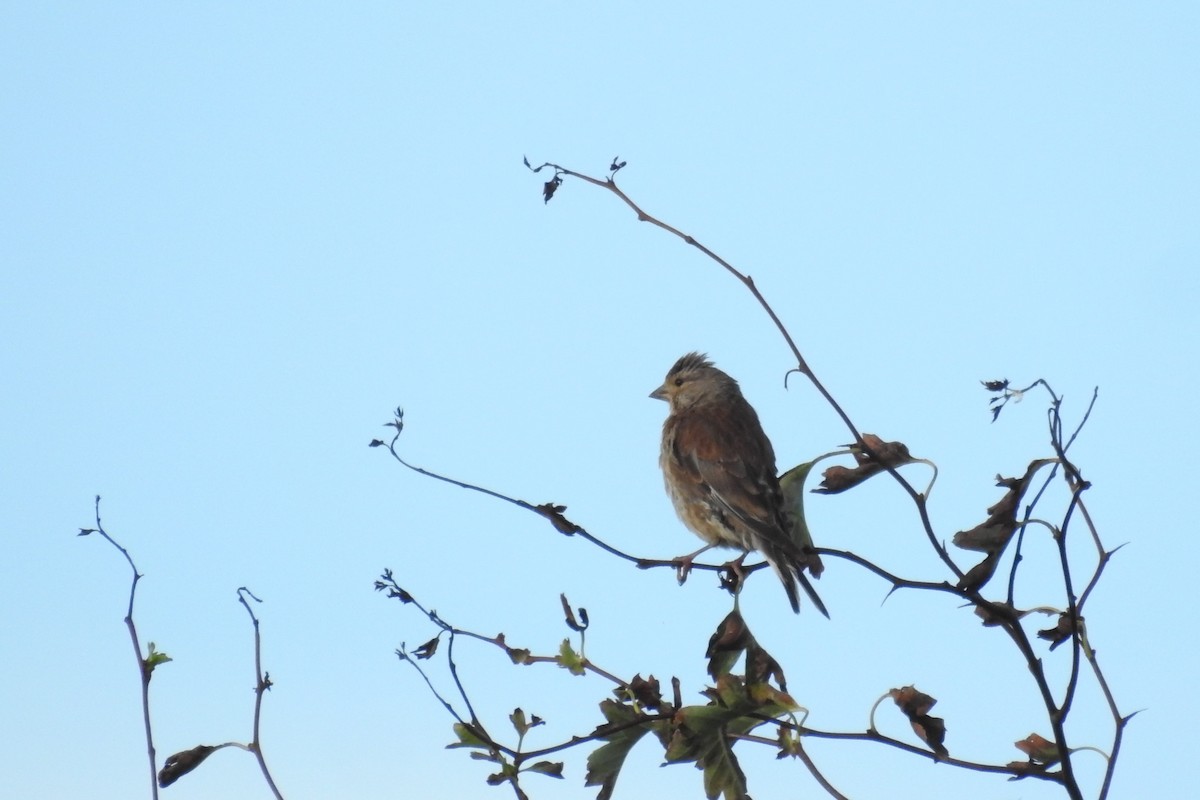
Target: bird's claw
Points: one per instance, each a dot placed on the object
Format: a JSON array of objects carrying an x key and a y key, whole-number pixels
[
  {"x": 683, "y": 568},
  {"x": 733, "y": 573}
]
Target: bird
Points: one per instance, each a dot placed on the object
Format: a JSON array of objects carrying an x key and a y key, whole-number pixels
[{"x": 719, "y": 470}]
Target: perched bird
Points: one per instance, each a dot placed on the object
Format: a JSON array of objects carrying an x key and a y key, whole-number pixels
[{"x": 719, "y": 469}]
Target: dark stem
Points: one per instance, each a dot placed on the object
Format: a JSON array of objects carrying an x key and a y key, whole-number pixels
[
  {"x": 261, "y": 685},
  {"x": 144, "y": 669}
]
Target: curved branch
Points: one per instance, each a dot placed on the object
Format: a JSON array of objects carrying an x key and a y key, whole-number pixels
[
  {"x": 144, "y": 667},
  {"x": 554, "y": 515},
  {"x": 801, "y": 364},
  {"x": 262, "y": 683}
]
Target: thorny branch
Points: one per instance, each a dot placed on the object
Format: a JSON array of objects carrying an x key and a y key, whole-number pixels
[
  {"x": 801, "y": 364},
  {"x": 1003, "y": 614}
]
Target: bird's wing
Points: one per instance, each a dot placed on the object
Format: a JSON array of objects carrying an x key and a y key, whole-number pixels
[{"x": 730, "y": 454}]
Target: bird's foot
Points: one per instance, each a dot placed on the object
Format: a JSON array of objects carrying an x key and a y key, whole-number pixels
[
  {"x": 733, "y": 574},
  {"x": 683, "y": 568},
  {"x": 683, "y": 564}
]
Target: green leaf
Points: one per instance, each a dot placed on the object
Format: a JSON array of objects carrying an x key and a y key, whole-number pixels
[
  {"x": 605, "y": 762},
  {"x": 789, "y": 743},
  {"x": 791, "y": 483},
  {"x": 569, "y": 660},
  {"x": 732, "y": 693},
  {"x": 693, "y": 727},
  {"x": 702, "y": 734},
  {"x": 552, "y": 768},
  {"x": 154, "y": 658},
  {"x": 723, "y": 775},
  {"x": 466, "y": 737},
  {"x": 772, "y": 701}
]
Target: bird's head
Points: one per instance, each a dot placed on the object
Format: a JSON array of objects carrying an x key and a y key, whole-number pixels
[{"x": 693, "y": 380}]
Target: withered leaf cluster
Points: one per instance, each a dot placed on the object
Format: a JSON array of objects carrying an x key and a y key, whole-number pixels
[
  {"x": 872, "y": 457},
  {"x": 1042, "y": 754},
  {"x": 993, "y": 534},
  {"x": 1000, "y": 388},
  {"x": 916, "y": 705},
  {"x": 554, "y": 513},
  {"x": 731, "y": 639},
  {"x": 1062, "y": 631}
]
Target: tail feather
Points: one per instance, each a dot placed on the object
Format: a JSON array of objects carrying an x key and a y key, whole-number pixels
[
  {"x": 791, "y": 572},
  {"x": 811, "y": 592}
]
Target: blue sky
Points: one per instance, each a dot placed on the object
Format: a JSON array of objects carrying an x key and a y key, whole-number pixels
[{"x": 233, "y": 239}]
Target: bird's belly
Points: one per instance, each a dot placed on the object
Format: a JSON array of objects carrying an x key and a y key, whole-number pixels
[{"x": 709, "y": 522}]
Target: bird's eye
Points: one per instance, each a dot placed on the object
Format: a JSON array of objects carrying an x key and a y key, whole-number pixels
[{"x": 679, "y": 381}]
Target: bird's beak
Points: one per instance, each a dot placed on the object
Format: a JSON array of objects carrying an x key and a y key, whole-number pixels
[{"x": 660, "y": 393}]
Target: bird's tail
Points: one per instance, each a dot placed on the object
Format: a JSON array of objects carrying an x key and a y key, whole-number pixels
[
  {"x": 790, "y": 569},
  {"x": 802, "y": 579}
]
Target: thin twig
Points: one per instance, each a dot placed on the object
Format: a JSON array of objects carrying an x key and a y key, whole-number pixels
[
  {"x": 144, "y": 668},
  {"x": 262, "y": 684},
  {"x": 801, "y": 364},
  {"x": 1001, "y": 615},
  {"x": 554, "y": 514}
]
